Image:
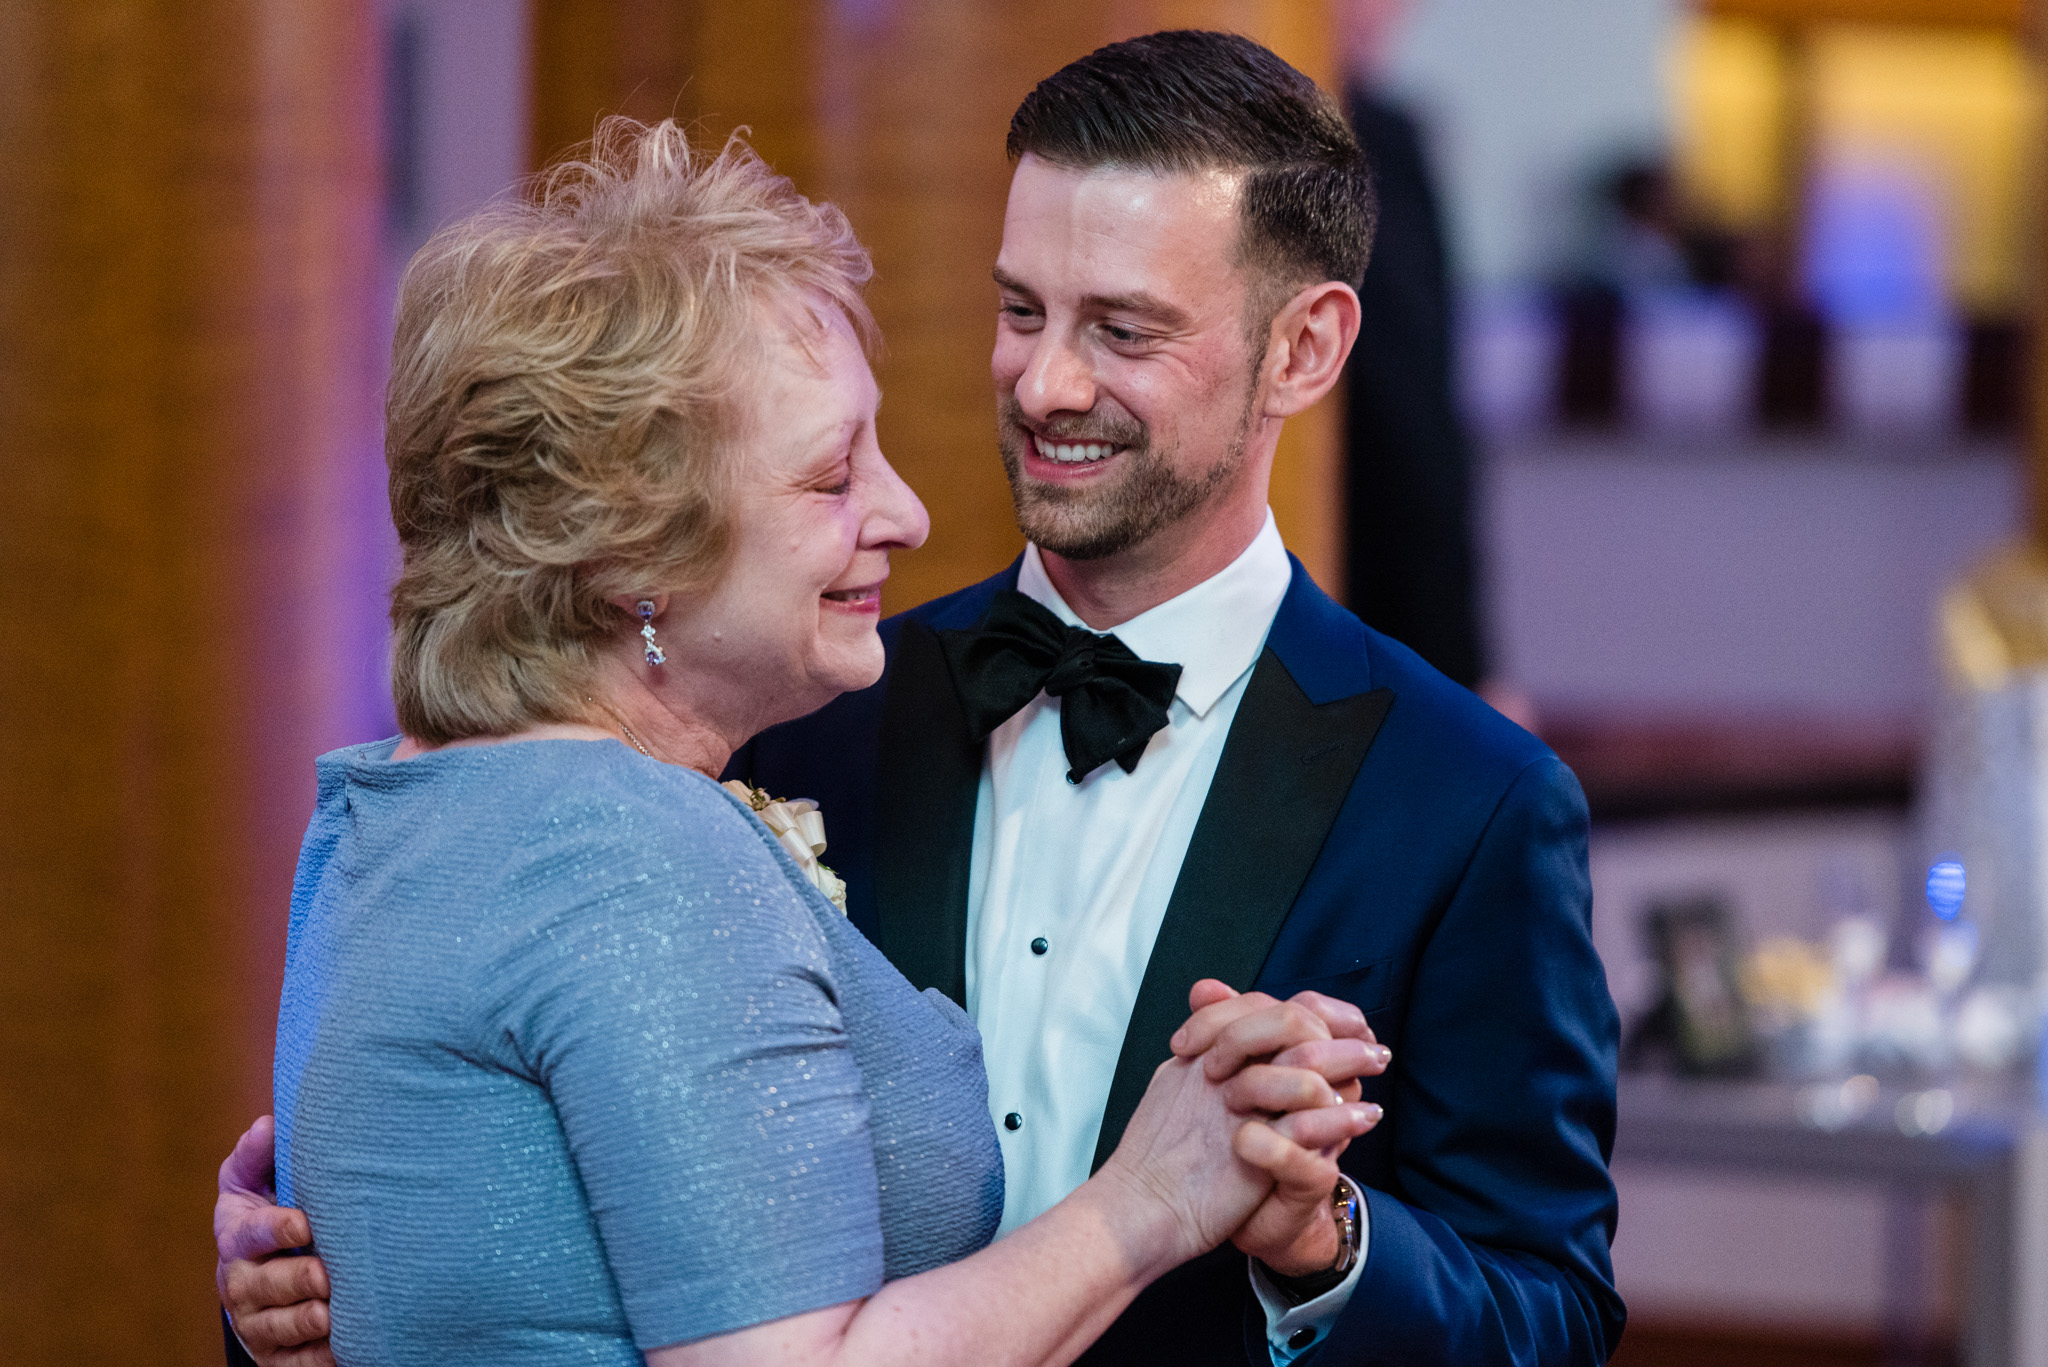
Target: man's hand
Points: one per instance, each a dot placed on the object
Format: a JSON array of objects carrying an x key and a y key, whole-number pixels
[
  {"x": 1250, "y": 1035},
  {"x": 1294, "y": 1231},
  {"x": 278, "y": 1304}
]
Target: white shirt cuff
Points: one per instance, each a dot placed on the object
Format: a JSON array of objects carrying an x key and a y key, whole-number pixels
[{"x": 1285, "y": 1322}]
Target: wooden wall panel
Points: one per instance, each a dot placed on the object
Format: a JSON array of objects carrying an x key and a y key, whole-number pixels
[
  {"x": 186, "y": 246},
  {"x": 1998, "y": 13},
  {"x": 711, "y": 66},
  {"x": 922, "y": 94},
  {"x": 897, "y": 112},
  {"x": 2037, "y": 285},
  {"x": 598, "y": 57}
]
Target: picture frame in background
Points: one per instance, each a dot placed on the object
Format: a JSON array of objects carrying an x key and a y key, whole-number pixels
[{"x": 1699, "y": 950}]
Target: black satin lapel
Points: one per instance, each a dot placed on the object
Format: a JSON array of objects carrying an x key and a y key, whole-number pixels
[
  {"x": 1285, "y": 770},
  {"x": 928, "y": 772}
]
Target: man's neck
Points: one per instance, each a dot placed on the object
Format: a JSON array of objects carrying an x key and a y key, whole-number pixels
[{"x": 1108, "y": 592}]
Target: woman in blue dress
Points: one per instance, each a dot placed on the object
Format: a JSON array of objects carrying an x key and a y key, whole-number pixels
[{"x": 575, "y": 1062}]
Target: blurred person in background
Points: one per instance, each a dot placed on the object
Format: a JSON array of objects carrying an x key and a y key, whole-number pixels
[
  {"x": 1411, "y": 565},
  {"x": 575, "y": 1061},
  {"x": 1152, "y": 751},
  {"x": 1638, "y": 239}
]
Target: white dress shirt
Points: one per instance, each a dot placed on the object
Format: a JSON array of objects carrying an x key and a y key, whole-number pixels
[{"x": 1069, "y": 882}]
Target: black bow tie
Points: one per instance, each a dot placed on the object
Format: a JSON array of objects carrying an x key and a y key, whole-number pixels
[{"x": 1110, "y": 700}]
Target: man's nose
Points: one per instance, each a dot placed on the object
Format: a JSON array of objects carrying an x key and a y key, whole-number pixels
[{"x": 1058, "y": 380}]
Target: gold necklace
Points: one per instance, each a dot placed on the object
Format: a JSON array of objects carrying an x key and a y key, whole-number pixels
[{"x": 621, "y": 721}]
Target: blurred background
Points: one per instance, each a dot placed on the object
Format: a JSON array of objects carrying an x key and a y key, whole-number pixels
[{"x": 1693, "y": 425}]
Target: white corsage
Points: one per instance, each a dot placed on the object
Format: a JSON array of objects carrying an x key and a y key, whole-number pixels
[{"x": 800, "y": 829}]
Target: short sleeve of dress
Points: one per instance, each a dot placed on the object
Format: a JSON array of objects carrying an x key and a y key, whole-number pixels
[{"x": 674, "y": 997}]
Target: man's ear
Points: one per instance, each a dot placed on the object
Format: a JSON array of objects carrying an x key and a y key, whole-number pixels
[{"x": 1305, "y": 352}]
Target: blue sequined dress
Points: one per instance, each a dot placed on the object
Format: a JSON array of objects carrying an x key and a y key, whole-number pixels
[{"x": 572, "y": 1061}]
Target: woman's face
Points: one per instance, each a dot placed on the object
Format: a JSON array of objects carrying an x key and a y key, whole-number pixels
[{"x": 816, "y": 513}]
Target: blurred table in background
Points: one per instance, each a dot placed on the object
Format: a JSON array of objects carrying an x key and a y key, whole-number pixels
[{"x": 1983, "y": 1143}]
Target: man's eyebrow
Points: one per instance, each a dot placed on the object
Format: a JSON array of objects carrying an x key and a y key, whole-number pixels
[
  {"x": 1139, "y": 302},
  {"x": 1004, "y": 280},
  {"x": 1132, "y": 301}
]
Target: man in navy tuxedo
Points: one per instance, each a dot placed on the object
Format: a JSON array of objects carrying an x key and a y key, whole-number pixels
[
  {"x": 1152, "y": 751},
  {"x": 1186, "y": 225}
]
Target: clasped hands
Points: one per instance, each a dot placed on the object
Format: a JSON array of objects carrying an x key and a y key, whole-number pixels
[
  {"x": 1239, "y": 1133},
  {"x": 1237, "y": 1138}
]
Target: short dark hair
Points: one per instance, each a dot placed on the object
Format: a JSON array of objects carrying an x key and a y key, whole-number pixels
[{"x": 1189, "y": 100}]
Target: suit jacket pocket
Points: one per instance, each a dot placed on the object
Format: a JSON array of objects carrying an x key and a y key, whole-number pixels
[{"x": 1363, "y": 985}]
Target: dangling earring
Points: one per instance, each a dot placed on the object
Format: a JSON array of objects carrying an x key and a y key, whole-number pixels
[{"x": 654, "y": 652}]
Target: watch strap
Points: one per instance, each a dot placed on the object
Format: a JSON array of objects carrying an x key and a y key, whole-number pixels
[{"x": 1347, "y": 1207}]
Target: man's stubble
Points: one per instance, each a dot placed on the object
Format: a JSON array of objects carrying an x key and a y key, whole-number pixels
[{"x": 1102, "y": 519}]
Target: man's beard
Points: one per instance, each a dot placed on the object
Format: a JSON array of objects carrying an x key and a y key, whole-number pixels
[{"x": 1103, "y": 517}]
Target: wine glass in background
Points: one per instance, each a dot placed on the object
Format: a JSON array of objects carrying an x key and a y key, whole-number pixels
[
  {"x": 1858, "y": 943},
  {"x": 1948, "y": 947}
]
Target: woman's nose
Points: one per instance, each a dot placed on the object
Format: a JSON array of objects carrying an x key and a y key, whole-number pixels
[{"x": 896, "y": 518}]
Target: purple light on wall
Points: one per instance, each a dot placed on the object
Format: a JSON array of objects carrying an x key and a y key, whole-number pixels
[
  {"x": 455, "y": 135},
  {"x": 1874, "y": 246},
  {"x": 862, "y": 16}
]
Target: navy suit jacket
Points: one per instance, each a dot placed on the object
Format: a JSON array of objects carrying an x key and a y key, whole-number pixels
[{"x": 1373, "y": 832}]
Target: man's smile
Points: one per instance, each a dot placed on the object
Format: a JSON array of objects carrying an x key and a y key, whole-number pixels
[
  {"x": 1072, "y": 452},
  {"x": 1052, "y": 458}
]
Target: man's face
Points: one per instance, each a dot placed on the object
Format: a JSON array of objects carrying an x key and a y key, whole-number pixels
[{"x": 1124, "y": 376}]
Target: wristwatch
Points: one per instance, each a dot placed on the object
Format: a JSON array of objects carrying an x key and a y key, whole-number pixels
[{"x": 1347, "y": 1208}]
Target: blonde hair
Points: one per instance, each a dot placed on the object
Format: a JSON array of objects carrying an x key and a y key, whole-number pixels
[{"x": 568, "y": 395}]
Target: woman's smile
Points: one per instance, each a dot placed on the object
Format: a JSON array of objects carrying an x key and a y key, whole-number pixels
[{"x": 864, "y": 599}]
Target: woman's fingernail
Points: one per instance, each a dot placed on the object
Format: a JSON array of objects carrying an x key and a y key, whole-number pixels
[
  {"x": 1379, "y": 1051},
  {"x": 1370, "y": 1111},
  {"x": 1180, "y": 1037}
]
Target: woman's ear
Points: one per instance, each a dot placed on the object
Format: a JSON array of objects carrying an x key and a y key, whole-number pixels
[{"x": 1312, "y": 336}]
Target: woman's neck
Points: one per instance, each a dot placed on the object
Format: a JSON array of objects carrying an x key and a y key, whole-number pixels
[
  {"x": 411, "y": 747},
  {"x": 660, "y": 731},
  {"x": 632, "y": 714},
  {"x": 661, "y": 722}
]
